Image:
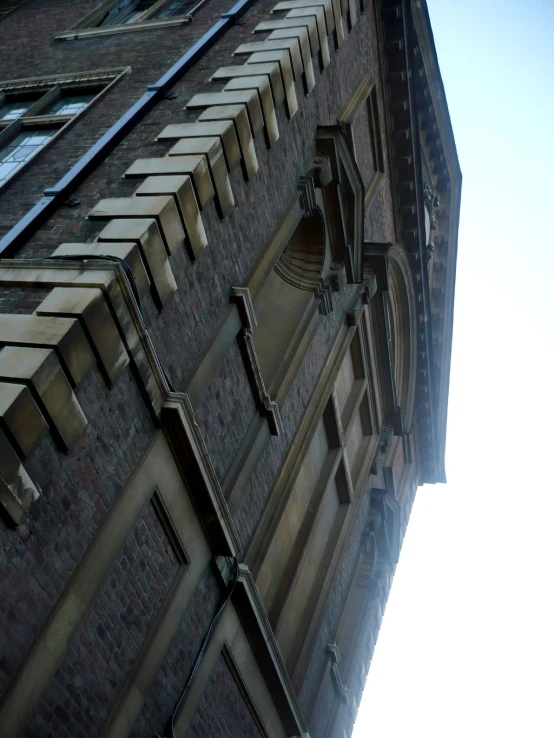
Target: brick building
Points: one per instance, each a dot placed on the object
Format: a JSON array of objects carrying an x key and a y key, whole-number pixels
[{"x": 228, "y": 260}]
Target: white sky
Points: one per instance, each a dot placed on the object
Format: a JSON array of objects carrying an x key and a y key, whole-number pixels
[{"x": 467, "y": 642}]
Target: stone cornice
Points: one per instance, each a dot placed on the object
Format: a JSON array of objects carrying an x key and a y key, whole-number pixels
[
  {"x": 402, "y": 40},
  {"x": 438, "y": 139}
]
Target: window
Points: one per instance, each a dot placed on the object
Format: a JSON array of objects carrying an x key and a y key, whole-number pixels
[
  {"x": 14, "y": 109},
  {"x": 71, "y": 105},
  {"x": 128, "y": 11},
  {"x": 34, "y": 111},
  {"x": 22, "y": 148},
  {"x": 117, "y": 16}
]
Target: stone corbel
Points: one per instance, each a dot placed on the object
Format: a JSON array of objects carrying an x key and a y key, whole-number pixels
[
  {"x": 268, "y": 407},
  {"x": 341, "y": 688}
]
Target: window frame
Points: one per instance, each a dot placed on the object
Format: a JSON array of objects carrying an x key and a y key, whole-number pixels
[
  {"x": 86, "y": 27},
  {"x": 48, "y": 90}
]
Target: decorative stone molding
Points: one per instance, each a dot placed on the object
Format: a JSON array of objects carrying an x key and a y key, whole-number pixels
[
  {"x": 302, "y": 260},
  {"x": 432, "y": 202},
  {"x": 341, "y": 688},
  {"x": 375, "y": 264},
  {"x": 268, "y": 407},
  {"x": 323, "y": 293},
  {"x": 308, "y": 201}
]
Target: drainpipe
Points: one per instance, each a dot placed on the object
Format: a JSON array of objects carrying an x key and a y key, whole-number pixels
[{"x": 57, "y": 195}]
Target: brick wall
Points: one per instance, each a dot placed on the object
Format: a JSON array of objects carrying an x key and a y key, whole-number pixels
[
  {"x": 362, "y": 144},
  {"x": 78, "y": 488},
  {"x": 78, "y": 699},
  {"x": 178, "y": 663},
  {"x": 226, "y": 410},
  {"x": 223, "y": 712}
]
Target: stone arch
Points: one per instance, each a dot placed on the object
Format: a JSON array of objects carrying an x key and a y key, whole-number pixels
[{"x": 402, "y": 321}]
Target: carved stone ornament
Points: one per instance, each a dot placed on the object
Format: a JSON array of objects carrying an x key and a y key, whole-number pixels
[
  {"x": 370, "y": 280},
  {"x": 241, "y": 295},
  {"x": 432, "y": 202},
  {"x": 342, "y": 689}
]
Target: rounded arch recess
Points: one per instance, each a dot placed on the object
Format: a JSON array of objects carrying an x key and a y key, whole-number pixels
[
  {"x": 401, "y": 304},
  {"x": 302, "y": 261}
]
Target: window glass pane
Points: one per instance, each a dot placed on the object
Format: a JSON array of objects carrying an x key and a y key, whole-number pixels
[
  {"x": 21, "y": 149},
  {"x": 70, "y": 105},
  {"x": 175, "y": 7},
  {"x": 13, "y": 109},
  {"x": 126, "y": 11}
]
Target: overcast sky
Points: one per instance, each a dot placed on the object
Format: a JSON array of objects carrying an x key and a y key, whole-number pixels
[{"x": 467, "y": 643}]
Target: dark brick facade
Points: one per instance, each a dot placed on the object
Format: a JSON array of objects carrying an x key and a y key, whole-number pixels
[
  {"x": 178, "y": 663},
  {"x": 80, "y": 488},
  {"x": 222, "y": 710},
  {"x": 226, "y": 410},
  {"x": 108, "y": 641}
]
